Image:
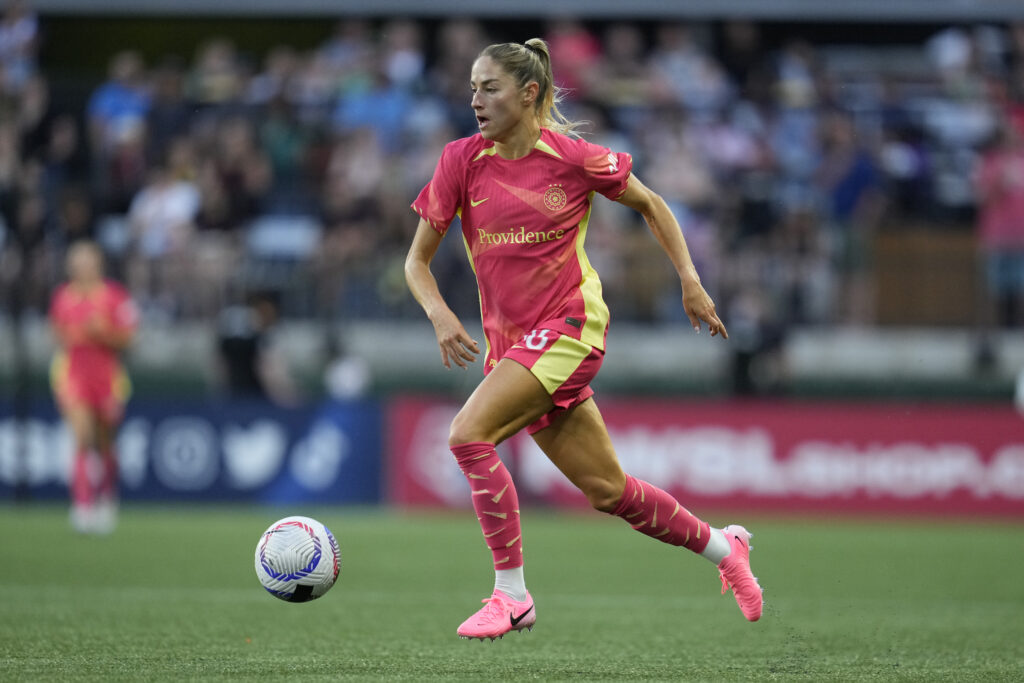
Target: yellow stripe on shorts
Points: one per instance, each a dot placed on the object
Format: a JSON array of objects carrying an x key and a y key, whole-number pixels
[
  {"x": 59, "y": 371},
  {"x": 122, "y": 385},
  {"x": 558, "y": 363}
]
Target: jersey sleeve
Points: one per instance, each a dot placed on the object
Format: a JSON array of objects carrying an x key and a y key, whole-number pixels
[
  {"x": 62, "y": 323},
  {"x": 441, "y": 199},
  {"x": 56, "y": 309},
  {"x": 124, "y": 314},
  {"x": 606, "y": 171}
]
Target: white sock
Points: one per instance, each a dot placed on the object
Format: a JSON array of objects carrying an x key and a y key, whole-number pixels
[
  {"x": 718, "y": 547},
  {"x": 511, "y": 583}
]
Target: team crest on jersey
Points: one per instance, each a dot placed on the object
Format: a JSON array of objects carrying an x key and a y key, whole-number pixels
[{"x": 554, "y": 198}]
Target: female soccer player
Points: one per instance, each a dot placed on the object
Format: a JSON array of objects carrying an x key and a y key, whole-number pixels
[
  {"x": 522, "y": 188},
  {"x": 93, "y": 320}
]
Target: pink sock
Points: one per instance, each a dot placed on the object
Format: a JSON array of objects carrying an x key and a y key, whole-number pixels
[
  {"x": 108, "y": 484},
  {"x": 81, "y": 478},
  {"x": 654, "y": 512},
  {"x": 495, "y": 501}
]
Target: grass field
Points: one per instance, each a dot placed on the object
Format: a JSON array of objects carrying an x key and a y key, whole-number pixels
[{"x": 173, "y": 595}]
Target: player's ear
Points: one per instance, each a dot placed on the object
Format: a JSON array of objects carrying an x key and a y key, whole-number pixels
[{"x": 530, "y": 94}]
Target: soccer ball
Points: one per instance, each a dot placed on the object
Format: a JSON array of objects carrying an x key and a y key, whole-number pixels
[{"x": 297, "y": 559}]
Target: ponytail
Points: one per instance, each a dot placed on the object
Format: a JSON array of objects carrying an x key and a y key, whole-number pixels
[{"x": 531, "y": 62}]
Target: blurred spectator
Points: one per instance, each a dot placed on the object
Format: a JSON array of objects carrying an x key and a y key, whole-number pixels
[
  {"x": 19, "y": 42},
  {"x": 64, "y": 158},
  {"x": 347, "y": 376},
  {"x": 161, "y": 218},
  {"x": 903, "y": 157},
  {"x": 849, "y": 178},
  {"x": 275, "y": 81},
  {"x": 215, "y": 213},
  {"x": 1000, "y": 185},
  {"x": 30, "y": 234},
  {"x": 251, "y": 364},
  {"x": 313, "y": 90},
  {"x": 622, "y": 80},
  {"x": 380, "y": 108},
  {"x": 795, "y": 136},
  {"x": 117, "y": 113},
  {"x": 574, "y": 51},
  {"x": 169, "y": 116},
  {"x": 35, "y": 115},
  {"x": 756, "y": 333},
  {"x": 286, "y": 143},
  {"x": 216, "y": 77},
  {"x": 349, "y": 52},
  {"x": 120, "y": 103},
  {"x": 952, "y": 52},
  {"x": 742, "y": 53},
  {"x": 241, "y": 168},
  {"x": 403, "y": 57},
  {"x": 27, "y": 270},
  {"x": 351, "y": 215},
  {"x": 685, "y": 73},
  {"x": 459, "y": 42},
  {"x": 74, "y": 219}
]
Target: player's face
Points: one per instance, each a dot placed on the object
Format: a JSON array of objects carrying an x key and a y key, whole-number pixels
[
  {"x": 499, "y": 104},
  {"x": 84, "y": 265}
]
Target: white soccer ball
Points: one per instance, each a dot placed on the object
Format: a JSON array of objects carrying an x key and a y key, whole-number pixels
[{"x": 297, "y": 559}]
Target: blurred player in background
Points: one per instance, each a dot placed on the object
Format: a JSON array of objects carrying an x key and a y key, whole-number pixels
[
  {"x": 93, "y": 320},
  {"x": 250, "y": 360},
  {"x": 523, "y": 190}
]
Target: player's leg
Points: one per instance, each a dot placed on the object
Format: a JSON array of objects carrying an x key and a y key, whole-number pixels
[
  {"x": 579, "y": 446},
  {"x": 105, "y": 518},
  {"x": 507, "y": 400},
  {"x": 71, "y": 394},
  {"x": 109, "y": 394},
  {"x": 112, "y": 395},
  {"x": 79, "y": 419},
  {"x": 106, "y": 434},
  {"x": 577, "y": 442}
]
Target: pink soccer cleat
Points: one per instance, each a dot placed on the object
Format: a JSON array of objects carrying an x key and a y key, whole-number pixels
[
  {"x": 736, "y": 574},
  {"x": 499, "y": 615}
]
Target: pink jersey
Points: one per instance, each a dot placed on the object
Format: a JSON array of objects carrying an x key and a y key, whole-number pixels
[
  {"x": 1000, "y": 183},
  {"x": 524, "y": 222},
  {"x": 71, "y": 313}
]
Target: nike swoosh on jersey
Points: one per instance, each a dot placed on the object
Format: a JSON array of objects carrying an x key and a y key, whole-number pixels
[{"x": 479, "y": 202}]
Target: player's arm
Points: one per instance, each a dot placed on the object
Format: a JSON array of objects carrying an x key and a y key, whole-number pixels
[
  {"x": 696, "y": 302},
  {"x": 113, "y": 337},
  {"x": 118, "y": 331},
  {"x": 455, "y": 343},
  {"x": 65, "y": 335}
]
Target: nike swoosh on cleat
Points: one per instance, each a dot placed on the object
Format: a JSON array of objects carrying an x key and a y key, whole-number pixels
[
  {"x": 515, "y": 620},
  {"x": 478, "y": 203}
]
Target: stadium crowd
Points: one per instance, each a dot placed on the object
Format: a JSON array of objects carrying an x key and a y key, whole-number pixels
[{"x": 208, "y": 176}]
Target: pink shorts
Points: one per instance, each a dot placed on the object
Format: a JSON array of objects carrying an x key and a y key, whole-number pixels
[
  {"x": 103, "y": 393},
  {"x": 565, "y": 366}
]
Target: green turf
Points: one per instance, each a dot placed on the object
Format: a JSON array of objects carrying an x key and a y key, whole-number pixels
[{"x": 173, "y": 595}]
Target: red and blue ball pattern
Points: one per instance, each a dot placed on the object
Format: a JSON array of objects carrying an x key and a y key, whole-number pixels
[{"x": 297, "y": 559}]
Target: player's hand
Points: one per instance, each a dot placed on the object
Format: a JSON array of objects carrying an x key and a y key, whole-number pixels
[
  {"x": 456, "y": 344},
  {"x": 96, "y": 328},
  {"x": 71, "y": 336},
  {"x": 700, "y": 308}
]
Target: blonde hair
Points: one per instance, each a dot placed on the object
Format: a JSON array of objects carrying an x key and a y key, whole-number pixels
[{"x": 528, "y": 62}]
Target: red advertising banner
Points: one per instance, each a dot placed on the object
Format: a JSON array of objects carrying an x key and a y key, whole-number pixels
[{"x": 770, "y": 456}]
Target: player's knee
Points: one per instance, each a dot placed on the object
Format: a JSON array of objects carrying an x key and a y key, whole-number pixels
[
  {"x": 603, "y": 494},
  {"x": 464, "y": 430}
]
